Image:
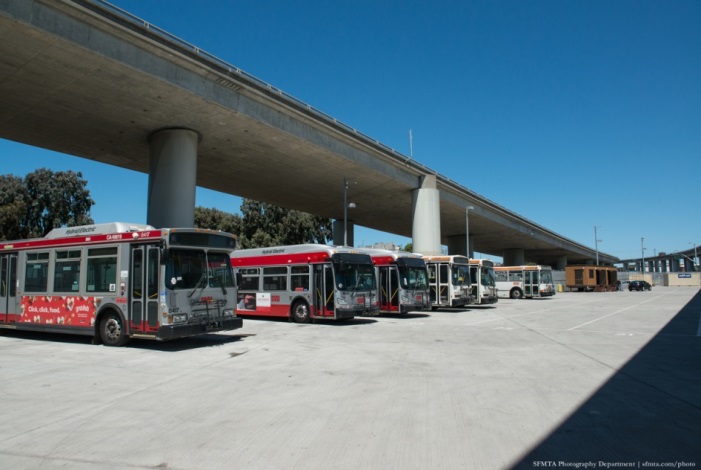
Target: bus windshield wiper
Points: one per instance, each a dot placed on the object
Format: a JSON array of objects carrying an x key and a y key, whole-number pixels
[{"x": 202, "y": 278}]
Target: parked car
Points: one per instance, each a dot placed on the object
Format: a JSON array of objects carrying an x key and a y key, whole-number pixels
[{"x": 639, "y": 285}]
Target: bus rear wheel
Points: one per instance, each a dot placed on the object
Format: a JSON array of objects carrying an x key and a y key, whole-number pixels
[
  {"x": 517, "y": 294},
  {"x": 112, "y": 330},
  {"x": 300, "y": 312}
]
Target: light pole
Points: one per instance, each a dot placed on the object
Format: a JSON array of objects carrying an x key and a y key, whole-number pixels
[
  {"x": 467, "y": 230},
  {"x": 642, "y": 249},
  {"x": 696, "y": 258},
  {"x": 596, "y": 244},
  {"x": 346, "y": 205}
]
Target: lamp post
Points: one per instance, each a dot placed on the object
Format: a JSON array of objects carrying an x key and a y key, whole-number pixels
[
  {"x": 467, "y": 230},
  {"x": 696, "y": 258},
  {"x": 596, "y": 244},
  {"x": 346, "y": 205},
  {"x": 642, "y": 249}
]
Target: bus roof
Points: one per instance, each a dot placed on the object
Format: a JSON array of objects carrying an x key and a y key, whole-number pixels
[
  {"x": 97, "y": 229},
  {"x": 531, "y": 267},
  {"x": 304, "y": 253}
]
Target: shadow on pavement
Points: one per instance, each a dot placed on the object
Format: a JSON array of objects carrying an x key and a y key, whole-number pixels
[{"x": 649, "y": 411}]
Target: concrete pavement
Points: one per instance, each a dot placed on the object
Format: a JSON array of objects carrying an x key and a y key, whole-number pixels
[{"x": 609, "y": 377}]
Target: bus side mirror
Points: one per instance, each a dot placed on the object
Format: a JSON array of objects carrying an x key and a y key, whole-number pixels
[
  {"x": 164, "y": 255},
  {"x": 238, "y": 278}
]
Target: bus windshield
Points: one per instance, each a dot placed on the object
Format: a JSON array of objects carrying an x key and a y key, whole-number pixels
[
  {"x": 188, "y": 269},
  {"x": 413, "y": 277},
  {"x": 546, "y": 277},
  {"x": 488, "y": 277},
  {"x": 352, "y": 276},
  {"x": 461, "y": 275}
]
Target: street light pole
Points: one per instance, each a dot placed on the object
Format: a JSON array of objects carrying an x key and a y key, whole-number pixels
[
  {"x": 345, "y": 212},
  {"x": 642, "y": 249},
  {"x": 467, "y": 230},
  {"x": 696, "y": 258},
  {"x": 596, "y": 244}
]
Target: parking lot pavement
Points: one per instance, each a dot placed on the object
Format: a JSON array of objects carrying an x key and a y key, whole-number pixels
[{"x": 609, "y": 377}]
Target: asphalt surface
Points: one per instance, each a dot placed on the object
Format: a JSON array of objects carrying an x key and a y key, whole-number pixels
[{"x": 581, "y": 380}]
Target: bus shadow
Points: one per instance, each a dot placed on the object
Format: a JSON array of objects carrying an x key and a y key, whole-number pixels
[
  {"x": 406, "y": 316},
  {"x": 191, "y": 342},
  {"x": 41, "y": 336},
  {"x": 649, "y": 411}
]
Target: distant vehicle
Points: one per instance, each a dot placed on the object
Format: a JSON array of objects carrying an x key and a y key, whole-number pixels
[
  {"x": 517, "y": 282},
  {"x": 639, "y": 285}
]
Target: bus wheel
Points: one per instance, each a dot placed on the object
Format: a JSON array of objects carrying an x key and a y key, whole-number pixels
[
  {"x": 112, "y": 330},
  {"x": 300, "y": 312},
  {"x": 517, "y": 294}
]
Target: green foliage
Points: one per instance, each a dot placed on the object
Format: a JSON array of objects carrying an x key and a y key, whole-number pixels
[
  {"x": 218, "y": 220},
  {"x": 270, "y": 225},
  {"x": 409, "y": 247},
  {"x": 42, "y": 201}
]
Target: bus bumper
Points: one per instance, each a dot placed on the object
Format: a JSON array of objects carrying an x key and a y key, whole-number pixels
[{"x": 180, "y": 330}]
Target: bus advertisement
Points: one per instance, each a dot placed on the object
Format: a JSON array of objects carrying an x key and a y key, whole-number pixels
[
  {"x": 402, "y": 280},
  {"x": 119, "y": 281},
  {"x": 448, "y": 280},
  {"x": 484, "y": 289},
  {"x": 517, "y": 282},
  {"x": 305, "y": 282}
]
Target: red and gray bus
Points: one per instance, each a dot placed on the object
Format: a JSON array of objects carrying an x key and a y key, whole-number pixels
[
  {"x": 118, "y": 281},
  {"x": 305, "y": 282}
]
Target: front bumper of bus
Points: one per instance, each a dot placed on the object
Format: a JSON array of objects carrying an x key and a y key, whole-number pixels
[{"x": 209, "y": 325}]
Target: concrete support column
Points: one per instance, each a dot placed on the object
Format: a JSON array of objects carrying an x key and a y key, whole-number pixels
[
  {"x": 560, "y": 263},
  {"x": 172, "y": 178},
  {"x": 651, "y": 266},
  {"x": 457, "y": 245},
  {"x": 426, "y": 220},
  {"x": 674, "y": 265},
  {"x": 688, "y": 265},
  {"x": 514, "y": 257},
  {"x": 337, "y": 230}
]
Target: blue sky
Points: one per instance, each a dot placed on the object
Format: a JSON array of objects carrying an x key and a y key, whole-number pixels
[{"x": 574, "y": 114}]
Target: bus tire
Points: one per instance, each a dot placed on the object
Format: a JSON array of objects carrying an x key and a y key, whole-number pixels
[
  {"x": 516, "y": 293},
  {"x": 112, "y": 331},
  {"x": 300, "y": 312}
]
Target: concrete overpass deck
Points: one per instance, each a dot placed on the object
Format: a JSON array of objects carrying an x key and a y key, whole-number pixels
[{"x": 85, "y": 78}]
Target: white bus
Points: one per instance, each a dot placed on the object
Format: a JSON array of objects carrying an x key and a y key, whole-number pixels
[
  {"x": 305, "y": 282},
  {"x": 484, "y": 289},
  {"x": 448, "y": 280},
  {"x": 118, "y": 281},
  {"x": 517, "y": 282},
  {"x": 402, "y": 280}
]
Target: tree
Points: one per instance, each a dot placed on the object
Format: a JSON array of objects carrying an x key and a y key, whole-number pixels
[
  {"x": 13, "y": 197},
  {"x": 270, "y": 225},
  {"x": 218, "y": 220},
  {"x": 41, "y": 202},
  {"x": 56, "y": 199}
]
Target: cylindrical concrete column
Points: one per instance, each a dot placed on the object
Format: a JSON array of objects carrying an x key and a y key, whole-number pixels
[
  {"x": 561, "y": 263},
  {"x": 514, "y": 257},
  {"x": 457, "y": 245},
  {"x": 337, "y": 229},
  {"x": 172, "y": 178},
  {"x": 426, "y": 222}
]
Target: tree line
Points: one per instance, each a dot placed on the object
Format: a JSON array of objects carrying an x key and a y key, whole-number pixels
[{"x": 32, "y": 206}]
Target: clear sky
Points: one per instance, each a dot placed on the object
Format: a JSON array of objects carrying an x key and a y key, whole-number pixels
[{"x": 574, "y": 114}]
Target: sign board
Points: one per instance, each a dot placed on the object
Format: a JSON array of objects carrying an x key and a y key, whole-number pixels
[{"x": 685, "y": 275}]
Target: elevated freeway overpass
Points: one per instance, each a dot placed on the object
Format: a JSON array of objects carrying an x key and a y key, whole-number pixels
[{"x": 85, "y": 78}]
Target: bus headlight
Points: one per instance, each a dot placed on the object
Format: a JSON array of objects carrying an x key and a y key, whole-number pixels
[
  {"x": 341, "y": 301},
  {"x": 229, "y": 312},
  {"x": 180, "y": 317}
]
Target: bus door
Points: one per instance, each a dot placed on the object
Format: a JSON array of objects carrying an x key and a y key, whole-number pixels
[
  {"x": 8, "y": 286},
  {"x": 324, "y": 290},
  {"x": 143, "y": 311},
  {"x": 388, "y": 285},
  {"x": 530, "y": 284}
]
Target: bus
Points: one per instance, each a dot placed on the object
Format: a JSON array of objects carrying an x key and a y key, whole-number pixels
[
  {"x": 517, "y": 282},
  {"x": 305, "y": 282},
  {"x": 448, "y": 280},
  {"x": 118, "y": 281},
  {"x": 402, "y": 280},
  {"x": 484, "y": 289}
]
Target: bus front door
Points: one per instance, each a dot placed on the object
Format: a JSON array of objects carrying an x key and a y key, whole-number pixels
[
  {"x": 324, "y": 290},
  {"x": 8, "y": 287},
  {"x": 143, "y": 311},
  {"x": 528, "y": 284}
]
